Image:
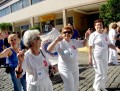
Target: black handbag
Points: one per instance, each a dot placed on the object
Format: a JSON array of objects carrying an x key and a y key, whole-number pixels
[
  {"x": 51, "y": 74},
  {"x": 8, "y": 69}
]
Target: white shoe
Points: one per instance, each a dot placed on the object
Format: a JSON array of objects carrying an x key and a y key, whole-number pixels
[{"x": 103, "y": 89}]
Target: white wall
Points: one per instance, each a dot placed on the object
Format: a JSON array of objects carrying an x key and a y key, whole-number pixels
[{"x": 44, "y": 7}]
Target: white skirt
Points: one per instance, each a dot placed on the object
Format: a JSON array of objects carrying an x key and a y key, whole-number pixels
[{"x": 45, "y": 85}]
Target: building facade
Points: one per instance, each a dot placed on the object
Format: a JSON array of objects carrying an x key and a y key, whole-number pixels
[{"x": 24, "y": 14}]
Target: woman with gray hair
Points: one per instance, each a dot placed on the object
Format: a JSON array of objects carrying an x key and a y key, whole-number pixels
[{"x": 34, "y": 63}]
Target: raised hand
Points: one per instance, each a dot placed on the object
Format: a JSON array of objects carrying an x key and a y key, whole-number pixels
[
  {"x": 20, "y": 56},
  {"x": 59, "y": 38}
]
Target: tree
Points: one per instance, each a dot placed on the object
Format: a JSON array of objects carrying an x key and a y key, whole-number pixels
[
  {"x": 110, "y": 12},
  {"x": 35, "y": 27},
  {"x": 5, "y": 26}
]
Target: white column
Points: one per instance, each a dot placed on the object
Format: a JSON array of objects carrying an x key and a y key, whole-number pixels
[
  {"x": 13, "y": 28},
  {"x": 30, "y": 2},
  {"x": 32, "y": 21},
  {"x": 64, "y": 17}
]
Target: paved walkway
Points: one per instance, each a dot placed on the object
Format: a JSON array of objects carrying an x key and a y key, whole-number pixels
[{"x": 86, "y": 77}]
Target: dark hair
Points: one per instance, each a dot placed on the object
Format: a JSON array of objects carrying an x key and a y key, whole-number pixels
[
  {"x": 9, "y": 33},
  {"x": 13, "y": 32},
  {"x": 67, "y": 28},
  {"x": 105, "y": 27},
  {"x": 23, "y": 31},
  {"x": 97, "y": 21},
  {"x": 114, "y": 26}
]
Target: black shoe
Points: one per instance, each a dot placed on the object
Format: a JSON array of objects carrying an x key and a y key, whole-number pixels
[
  {"x": 111, "y": 64},
  {"x": 118, "y": 53}
]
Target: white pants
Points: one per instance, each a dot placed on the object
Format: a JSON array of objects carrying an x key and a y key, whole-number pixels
[
  {"x": 101, "y": 67},
  {"x": 70, "y": 79},
  {"x": 113, "y": 56}
]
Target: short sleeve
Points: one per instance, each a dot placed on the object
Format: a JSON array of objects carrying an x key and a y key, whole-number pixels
[
  {"x": 91, "y": 39},
  {"x": 78, "y": 43}
]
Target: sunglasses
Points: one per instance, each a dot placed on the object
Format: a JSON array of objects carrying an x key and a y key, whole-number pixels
[
  {"x": 37, "y": 38},
  {"x": 68, "y": 32}
]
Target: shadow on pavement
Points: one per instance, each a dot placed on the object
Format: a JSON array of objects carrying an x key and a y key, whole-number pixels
[
  {"x": 83, "y": 68},
  {"x": 81, "y": 78},
  {"x": 56, "y": 79},
  {"x": 113, "y": 89}
]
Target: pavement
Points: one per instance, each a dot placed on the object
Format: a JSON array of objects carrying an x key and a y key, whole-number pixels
[{"x": 86, "y": 77}]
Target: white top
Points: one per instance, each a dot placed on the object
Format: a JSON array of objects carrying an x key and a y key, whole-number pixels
[
  {"x": 99, "y": 42},
  {"x": 68, "y": 54},
  {"x": 112, "y": 33},
  {"x": 36, "y": 68}
]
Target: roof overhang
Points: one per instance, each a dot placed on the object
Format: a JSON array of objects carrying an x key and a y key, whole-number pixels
[{"x": 47, "y": 6}]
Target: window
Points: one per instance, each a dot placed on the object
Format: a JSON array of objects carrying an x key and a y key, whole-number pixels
[
  {"x": 25, "y": 3},
  {"x": 16, "y": 6},
  {"x": 24, "y": 27},
  {"x": 19, "y": 5},
  {"x": 70, "y": 19},
  {"x": 5, "y": 11},
  {"x": 36, "y": 1},
  {"x": 59, "y": 21}
]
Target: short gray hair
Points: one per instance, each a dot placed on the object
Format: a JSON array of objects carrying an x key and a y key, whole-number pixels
[{"x": 29, "y": 36}]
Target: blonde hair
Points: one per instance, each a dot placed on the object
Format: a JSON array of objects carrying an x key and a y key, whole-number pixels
[{"x": 11, "y": 36}]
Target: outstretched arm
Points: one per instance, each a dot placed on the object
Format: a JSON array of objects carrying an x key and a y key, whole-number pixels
[
  {"x": 52, "y": 45},
  {"x": 5, "y": 53}
]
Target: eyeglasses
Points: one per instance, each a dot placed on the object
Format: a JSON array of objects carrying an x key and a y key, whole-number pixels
[
  {"x": 37, "y": 38},
  {"x": 68, "y": 32}
]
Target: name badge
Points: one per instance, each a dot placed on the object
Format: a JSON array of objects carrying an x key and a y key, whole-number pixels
[
  {"x": 40, "y": 73},
  {"x": 72, "y": 53}
]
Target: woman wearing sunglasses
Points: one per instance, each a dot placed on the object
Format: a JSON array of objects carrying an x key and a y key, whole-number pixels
[
  {"x": 68, "y": 57},
  {"x": 34, "y": 63}
]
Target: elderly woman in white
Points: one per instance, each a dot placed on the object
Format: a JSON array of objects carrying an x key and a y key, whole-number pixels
[
  {"x": 98, "y": 55},
  {"x": 68, "y": 57},
  {"x": 34, "y": 63}
]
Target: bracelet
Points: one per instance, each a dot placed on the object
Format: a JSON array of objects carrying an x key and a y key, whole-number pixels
[{"x": 18, "y": 72}]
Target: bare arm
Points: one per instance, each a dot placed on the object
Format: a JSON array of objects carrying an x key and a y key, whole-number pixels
[
  {"x": 19, "y": 69},
  {"x": 112, "y": 46},
  {"x": 90, "y": 55},
  {"x": 116, "y": 38},
  {"x": 5, "y": 53},
  {"x": 52, "y": 45},
  {"x": 86, "y": 38}
]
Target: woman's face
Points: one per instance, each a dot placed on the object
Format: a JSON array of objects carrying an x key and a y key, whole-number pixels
[
  {"x": 67, "y": 34},
  {"x": 99, "y": 26},
  {"x": 13, "y": 41},
  {"x": 36, "y": 41}
]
